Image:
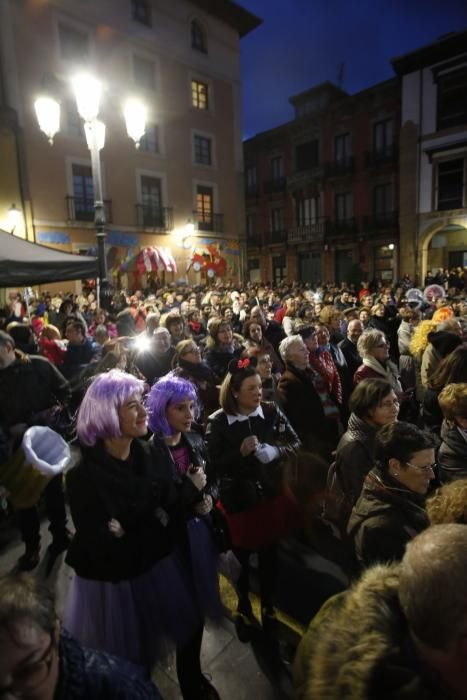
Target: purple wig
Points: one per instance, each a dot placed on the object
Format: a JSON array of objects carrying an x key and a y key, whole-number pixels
[
  {"x": 98, "y": 414},
  {"x": 169, "y": 390}
]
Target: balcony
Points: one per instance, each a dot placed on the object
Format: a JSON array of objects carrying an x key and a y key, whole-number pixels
[
  {"x": 82, "y": 209},
  {"x": 274, "y": 186},
  {"x": 342, "y": 228},
  {"x": 276, "y": 236},
  {"x": 209, "y": 222},
  {"x": 308, "y": 233},
  {"x": 381, "y": 156},
  {"x": 150, "y": 216},
  {"x": 380, "y": 221},
  {"x": 254, "y": 240},
  {"x": 300, "y": 178},
  {"x": 341, "y": 167}
]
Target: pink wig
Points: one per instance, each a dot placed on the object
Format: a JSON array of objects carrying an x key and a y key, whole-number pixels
[
  {"x": 98, "y": 414},
  {"x": 168, "y": 390}
]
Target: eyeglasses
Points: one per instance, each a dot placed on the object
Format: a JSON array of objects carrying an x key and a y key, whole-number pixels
[
  {"x": 383, "y": 345},
  {"x": 389, "y": 404},
  {"x": 193, "y": 349},
  {"x": 31, "y": 675},
  {"x": 423, "y": 470}
]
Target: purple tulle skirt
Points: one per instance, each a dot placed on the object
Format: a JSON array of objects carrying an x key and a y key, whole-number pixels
[{"x": 143, "y": 618}]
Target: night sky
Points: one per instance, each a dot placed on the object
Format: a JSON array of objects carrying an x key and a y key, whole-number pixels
[{"x": 303, "y": 42}]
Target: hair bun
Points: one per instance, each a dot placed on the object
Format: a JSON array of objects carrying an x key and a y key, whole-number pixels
[{"x": 236, "y": 366}]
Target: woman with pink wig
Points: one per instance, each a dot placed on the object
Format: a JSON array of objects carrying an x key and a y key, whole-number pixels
[{"x": 129, "y": 595}]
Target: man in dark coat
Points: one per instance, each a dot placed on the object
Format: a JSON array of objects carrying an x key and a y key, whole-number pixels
[
  {"x": 349, "y": 346},
  {"x": 33, "y": 385}
]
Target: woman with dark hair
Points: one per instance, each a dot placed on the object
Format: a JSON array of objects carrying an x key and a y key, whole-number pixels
[
  {"x": 391, "y": 508},
  {"x": 128, "y": 595},
  {"x": 254, "y": 338},
  {"x": 451, "y": 370},
  {"x": 372, "y": 404},
  {"x": 188, "y": 364},
  {"x": 221, "y": 347},
  {"x": 175, "y": 324},
  {"x": 248, "y": 441},
  {"x": 268, "y": 380},
  {"x": 181, "y": 462}
]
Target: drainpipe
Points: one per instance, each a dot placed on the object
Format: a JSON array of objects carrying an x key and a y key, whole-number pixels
[{"x": 419, "y": 258}]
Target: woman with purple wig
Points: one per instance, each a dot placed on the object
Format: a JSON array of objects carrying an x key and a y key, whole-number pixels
[
  {"x": 180, "y": 457},
  {"x": 129, "y": 595}
]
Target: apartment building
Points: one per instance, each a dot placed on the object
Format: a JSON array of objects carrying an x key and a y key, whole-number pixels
[
  {"x": 433, "y": 155},
  {"x": 322, "y": 190},
  {"x": 182, "y": 190}
]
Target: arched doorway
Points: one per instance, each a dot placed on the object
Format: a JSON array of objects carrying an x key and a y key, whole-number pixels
[{"x": 444, "y": 247}]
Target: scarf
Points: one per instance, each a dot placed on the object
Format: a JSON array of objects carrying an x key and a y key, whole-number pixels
[
  {"x": 389, "y": 373},
  {"x": 197, "y": 370}
]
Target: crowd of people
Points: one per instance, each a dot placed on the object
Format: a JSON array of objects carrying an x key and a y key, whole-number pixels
[{"x": 224, "y": 420}]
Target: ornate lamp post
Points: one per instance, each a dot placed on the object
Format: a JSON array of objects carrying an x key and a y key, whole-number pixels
[{"x": 88, "y": 91}]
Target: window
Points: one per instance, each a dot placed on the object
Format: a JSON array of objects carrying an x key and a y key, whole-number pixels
[
  {"x": 151, "y": 201},
  {"x": 202, "y": 150},
  {"x": 140, "y": 11},
  {"x": 306, "y": 155},
  {"x": 452, "y": 99},
  {"x": 344, "y": 206},
  {"x": 74, "y": 44},
  {"x": 383, "y": 136},
  {"x": 83, "y": 192},
  {"x": 451, "y": 184},
  {"x": 307, "y": 211},
  {"x": 279, "y": 269},
  {"x": 198, "y": 39},
  {"x": 382, "y": 199},
  {"x": 204, "y": 207},
  {"x": 199, "y": 94},
  {"x": 144, "y": 73},
  {"x": 251, "y": 179},
  {"x": 277, "y": 168},
  {"x": 150, "y": 141},
  {"x": 342, "y": 148},
  {"x": 277, "y": 220}
]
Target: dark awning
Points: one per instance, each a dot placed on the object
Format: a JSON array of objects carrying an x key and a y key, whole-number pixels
[{"x": 23, "y": 263}]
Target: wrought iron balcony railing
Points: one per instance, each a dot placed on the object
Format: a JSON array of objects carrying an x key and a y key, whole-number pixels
[{"x": 151, "y": 216}]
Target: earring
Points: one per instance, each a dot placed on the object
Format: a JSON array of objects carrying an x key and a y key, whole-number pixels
[{"x": 395, "y": 473}]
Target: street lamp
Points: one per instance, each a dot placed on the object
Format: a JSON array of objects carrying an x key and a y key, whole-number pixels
[
  {"x": 14, "y": 217},
  {"x": 88, "y": 92}
]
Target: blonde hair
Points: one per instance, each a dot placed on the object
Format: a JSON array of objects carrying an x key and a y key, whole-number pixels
[
  {"x": 449, "y": 503},
  {"x": 419, "y": 340},
  {"x": 453, "y": 401}
]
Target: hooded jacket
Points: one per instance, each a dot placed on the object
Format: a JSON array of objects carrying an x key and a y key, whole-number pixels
[
  {"x": 440, "y": 344},
  {"x": 359, "y": 648},
  {"x": 452, "y": 455},
  {"x": 384, "y": 519}
]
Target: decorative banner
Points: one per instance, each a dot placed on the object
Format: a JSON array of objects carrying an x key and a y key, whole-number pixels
[
  {"x": 150, "y": 259},
  {"x": 122, "y": 239},
  {"x": 57, "y": 237}
]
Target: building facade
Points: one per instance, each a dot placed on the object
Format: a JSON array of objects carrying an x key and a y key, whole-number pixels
[
  {"x": 322, "y": 190},
  {"x": 182, "y": 59},
  {"x": 433, "y": 156}
]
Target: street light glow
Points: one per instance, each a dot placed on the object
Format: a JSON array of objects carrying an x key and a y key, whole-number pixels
[
  {"x": 135, "y": 114},
  {"x": 14, "y": 217},
  {"x": 88, "y": 92},
  {"x": 48, "y": 116}
]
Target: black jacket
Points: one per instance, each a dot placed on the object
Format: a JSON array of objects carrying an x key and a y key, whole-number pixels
[
  {"x": 384, "y": 519},
  {"x": 154, "y": 365},
  {"x": 29, "y": 386},
  {"x": 354, "y": 459},
  {"x": 180, "y": 494},
  {"x": 224, "y": 440},
  {"x": 351, "y": 355},
  {"x": 452, "y": 455},
  {"x": 101, "y": 488},
  {"x": 95, "y": 675},
  {"x": 218, "y": 360},
  {"x": 303, "y": 408}
]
